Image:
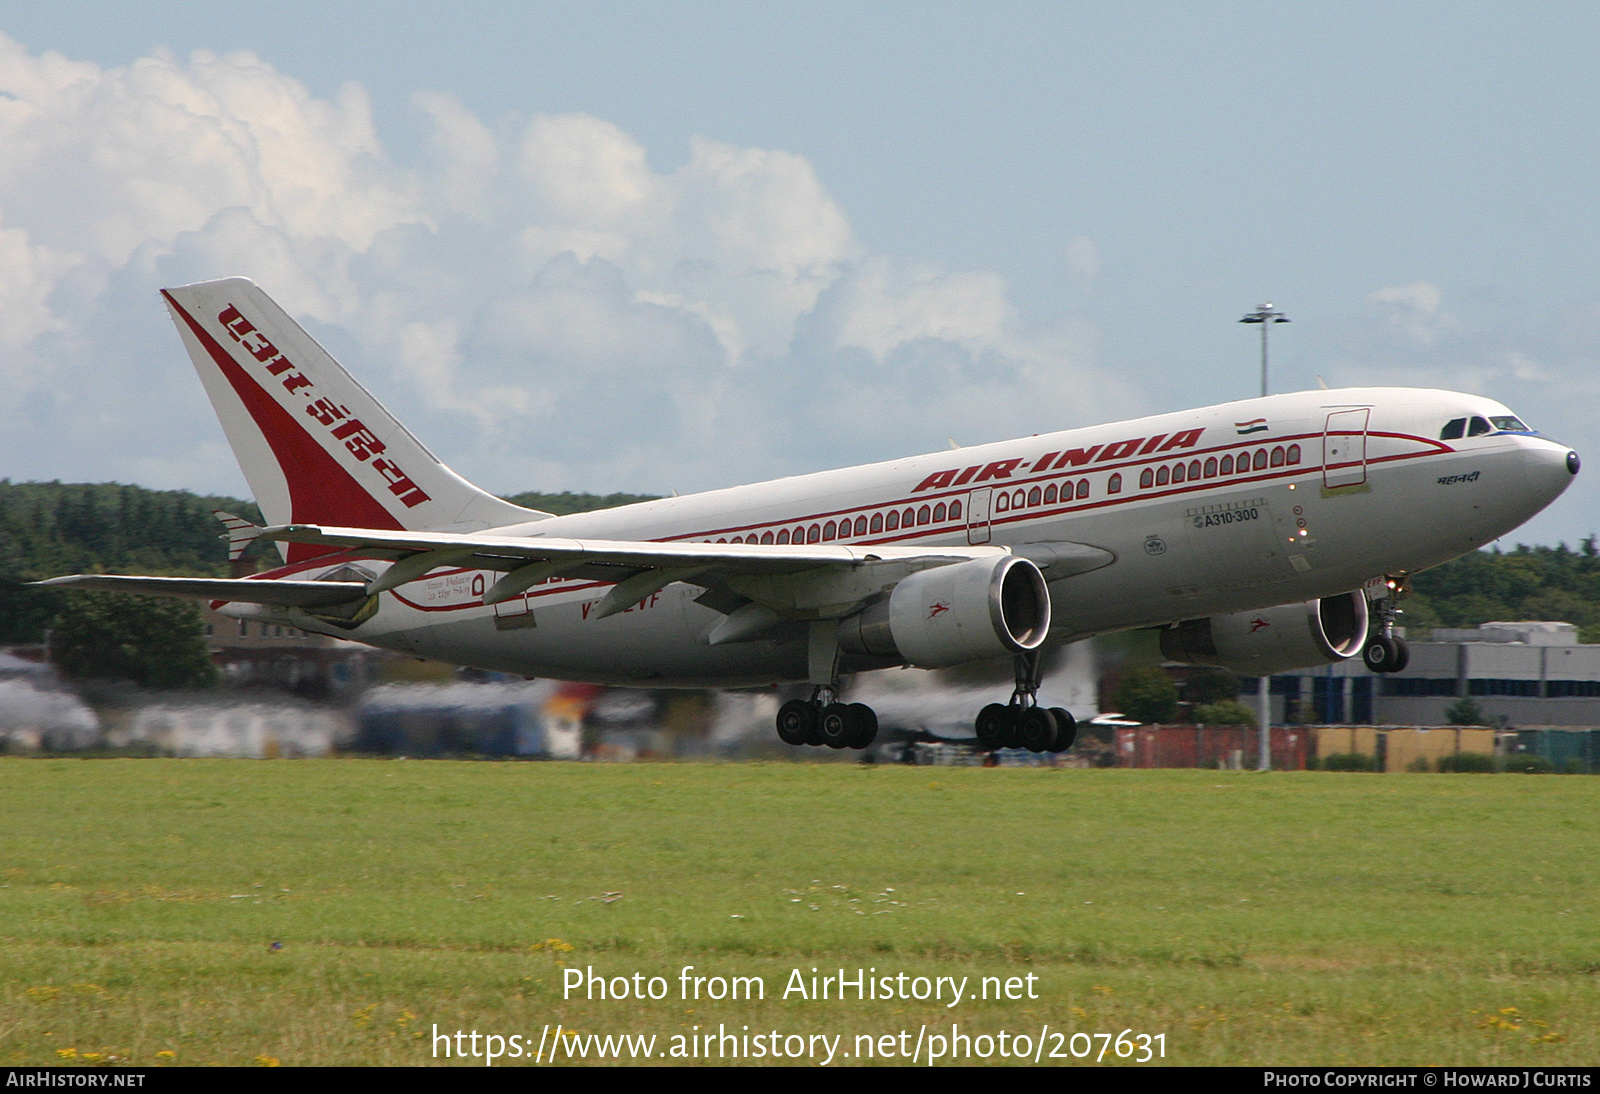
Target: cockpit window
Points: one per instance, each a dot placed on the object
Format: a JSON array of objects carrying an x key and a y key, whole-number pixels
[
  {"x": 1453, "y": 429},
  {"x": 1478, "y": 427},
  {"x": 1511, "y": 424}
]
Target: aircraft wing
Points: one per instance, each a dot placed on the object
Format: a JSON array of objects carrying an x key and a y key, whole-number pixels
[
  {"x": 295, "y": 594},
  {"x": 786, "y": 580},
  {"x": 833, "y": 573},
  {"x": 509, "y": 552}
]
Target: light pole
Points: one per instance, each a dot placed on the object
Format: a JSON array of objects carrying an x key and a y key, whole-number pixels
[{"x": 1265, "y": 316}]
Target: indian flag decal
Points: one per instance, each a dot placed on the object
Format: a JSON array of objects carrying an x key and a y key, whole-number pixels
[{"x": 1254, "y": 425}]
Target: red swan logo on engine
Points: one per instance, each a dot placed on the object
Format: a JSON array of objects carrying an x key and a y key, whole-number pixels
[
  {"x": 939, "y": 608},
  {"x": 1257, "y": 624}
]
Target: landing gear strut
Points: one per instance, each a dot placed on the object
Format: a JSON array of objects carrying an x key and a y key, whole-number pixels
[
  {"x": 1384, "y": 652},
  {"x": 1023, "y": 723},
  {"x": 823, "y": 720}
]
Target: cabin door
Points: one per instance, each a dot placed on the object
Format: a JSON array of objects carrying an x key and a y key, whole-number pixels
[
  {"x": 978, "y": 515},
  {"x": 1344, "y": 448}
]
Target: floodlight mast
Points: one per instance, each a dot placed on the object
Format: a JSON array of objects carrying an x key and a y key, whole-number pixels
[{"x": 1265, "y": 315}]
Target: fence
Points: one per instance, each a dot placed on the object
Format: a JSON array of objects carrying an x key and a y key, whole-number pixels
[
  {"x": 1567, "y": 749},
  {"x": 1210, "y": 746},
  {"x": 1295, "y": 748}
]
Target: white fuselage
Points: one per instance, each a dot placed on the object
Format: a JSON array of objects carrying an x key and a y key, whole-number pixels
[{"x": 1219, "y": 510}]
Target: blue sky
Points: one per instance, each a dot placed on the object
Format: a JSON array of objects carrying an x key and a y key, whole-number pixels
[{"x": 680, "y": 246}]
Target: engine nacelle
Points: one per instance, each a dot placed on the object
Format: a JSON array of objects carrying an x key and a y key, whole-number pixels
[
  {"x": 967, "y": 611},
  {"x": 1291, "y": 636}
]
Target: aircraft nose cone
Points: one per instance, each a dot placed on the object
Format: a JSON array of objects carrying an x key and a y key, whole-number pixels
[{"x": 1550, "y": 469}]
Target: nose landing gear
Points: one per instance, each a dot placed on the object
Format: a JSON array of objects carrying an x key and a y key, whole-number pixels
[
  {"x": 1385, "y": 652},
  {"x": 1023, "y": 723}
]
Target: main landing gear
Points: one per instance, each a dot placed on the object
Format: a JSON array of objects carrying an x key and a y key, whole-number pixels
[
  {"x": 1023, "y": 723},
  {"x": 823, "y": 720},
  {"x": 1384, "y": 652}
]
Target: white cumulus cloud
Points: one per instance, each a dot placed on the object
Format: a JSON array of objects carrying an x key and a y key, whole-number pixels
[{"x": 540, "y": 304}]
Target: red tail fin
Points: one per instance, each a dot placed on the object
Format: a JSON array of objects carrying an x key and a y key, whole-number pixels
[{"x": 314, "y": 445}]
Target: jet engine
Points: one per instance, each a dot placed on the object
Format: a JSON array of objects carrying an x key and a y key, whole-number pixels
[
  {"x": 1290, "y": 636},
  {"x": 967, "y": 611}
]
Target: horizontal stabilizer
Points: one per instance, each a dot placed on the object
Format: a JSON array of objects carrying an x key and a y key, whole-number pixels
[
  {"x": 294, "y": 594},
  {"x": 240, "y": 533}
]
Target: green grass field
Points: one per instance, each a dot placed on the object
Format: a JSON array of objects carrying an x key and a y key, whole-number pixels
[{"x": 1304, "y": 918}]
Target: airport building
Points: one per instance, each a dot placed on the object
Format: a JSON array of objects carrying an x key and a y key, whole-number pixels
[
  {"x": 1518, "y": 674},
  {"x": 254, "y": 654}
]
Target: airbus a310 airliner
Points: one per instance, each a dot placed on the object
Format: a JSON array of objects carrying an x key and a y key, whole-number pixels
[{"x": 1261, "y": 535}]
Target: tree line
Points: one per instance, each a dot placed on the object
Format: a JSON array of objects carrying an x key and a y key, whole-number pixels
[
  {"x": 1553, "y": 583},
  {"x": 48, "y": 529},
  {"x": 52, "y": 528}
]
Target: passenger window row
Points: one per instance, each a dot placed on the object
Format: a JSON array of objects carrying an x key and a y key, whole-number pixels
[
  {"x": 1050, "y": 494},
  {"x": 1026, "y": 498},
  {"x": 826, "y": 532},
  {"x": 1260, "y": 460},
  {"x": 894, "y": 520}
]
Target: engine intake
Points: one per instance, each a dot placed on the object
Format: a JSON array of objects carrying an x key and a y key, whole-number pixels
[
  {"x": 1290, "y": 636},
  {"x": 967, "y": 611}
]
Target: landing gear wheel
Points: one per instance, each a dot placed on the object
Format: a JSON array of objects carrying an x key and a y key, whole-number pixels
[
  {"x": 1402, "y": 655},
  {"x": 992, "y": 726},
  {"x": 835, "y": 725},
  {"x": 814, "y": 730},
  {"x": 863, "y": 723},
  {"x": 1384, "y": 654},
  {"x": 1066, "y": 729},
  {"x": 1013, "y": 737},
  {"x": 797, "y": 719},
  {"x": 1036, "y": 729}
]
